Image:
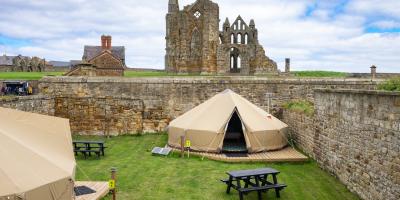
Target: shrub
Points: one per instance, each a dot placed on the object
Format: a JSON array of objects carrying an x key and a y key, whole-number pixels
[
  {"x": 301, "y": 106},
  {"x": 390, "y": 85}
]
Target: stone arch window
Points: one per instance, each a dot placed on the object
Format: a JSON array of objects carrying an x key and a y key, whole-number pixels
[
  {"x": 195, "y": 44},
  {"x": 234, "y": 26},
  {"x": 220, "y": 39},
  {"x": 239, "y": 38},
  {"x": 232, "y": 63},
  {"x": 239, "y": 24},
  {"x": 232, "y": 38},
  {"x": 235, "y": 61},
  {"x": 246, "y": 38}
]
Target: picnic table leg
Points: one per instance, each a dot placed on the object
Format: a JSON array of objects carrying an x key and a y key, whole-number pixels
[
  {"x": 247, "y": 180},
  {"x": 102, "y": 149},
  {"x": 75, "y": 148},
  {"x": 241, "y": 195},
  {"x": 278, "y": 195},
  {"x": 264, "y": 180},
  {"x": 238, "y": 188},
  {"x": 228, "y": 189},
  {"x": 258, "y": 185}
]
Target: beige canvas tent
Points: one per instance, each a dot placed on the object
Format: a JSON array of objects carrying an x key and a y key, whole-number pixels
[
  {"x": 228, "y": 120},
  {"x": 36, "y": 157}
]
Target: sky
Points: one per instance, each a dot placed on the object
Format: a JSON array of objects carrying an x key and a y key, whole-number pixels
[{"x": 337, "y": 35}]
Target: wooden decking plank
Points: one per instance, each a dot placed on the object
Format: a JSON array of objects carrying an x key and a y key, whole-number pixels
[
  {"x": 285, "y": 155},
  {"x": 101, "y": 189}
]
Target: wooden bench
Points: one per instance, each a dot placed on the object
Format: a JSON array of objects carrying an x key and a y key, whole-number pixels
[
  {"x": 253, "y": 180},
  {"x": 89, "y": 147},
  {"x": 86, "y": 152},
  {"x": 265, "y": 188}
]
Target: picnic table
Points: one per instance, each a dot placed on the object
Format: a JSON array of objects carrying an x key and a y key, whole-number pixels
[
  {"x": 89, "y": 147},
  {"x": 255, "y": 180}
]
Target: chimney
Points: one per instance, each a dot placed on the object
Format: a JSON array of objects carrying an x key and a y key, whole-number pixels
[
  {"x": 287, "y": 65},
  {"x": 103, "y": 42},
  {"x": 373, "y": 71},
  {"x": 108, "y": 42}
]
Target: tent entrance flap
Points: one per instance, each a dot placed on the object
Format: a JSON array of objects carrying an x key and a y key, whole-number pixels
[{"x": 234, "y": 140}]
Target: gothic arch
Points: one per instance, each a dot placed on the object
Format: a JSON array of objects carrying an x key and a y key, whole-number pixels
[
  {"x": 195, "y": 44},
  {"x": 235, "y": 60}
]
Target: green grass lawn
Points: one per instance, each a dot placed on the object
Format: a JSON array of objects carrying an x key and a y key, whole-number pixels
[
  {"x": 27, "y": 75},
  {"x": 318, "y": 74},
  {"x": 143, "y": 176}
]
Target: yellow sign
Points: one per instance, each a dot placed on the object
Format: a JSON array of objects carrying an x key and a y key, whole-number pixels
[
  {"x": 111, "y": 184},
  {"x": 188, "y": 144}
]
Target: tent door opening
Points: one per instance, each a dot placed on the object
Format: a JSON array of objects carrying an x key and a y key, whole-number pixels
[{"x": 234, "y": 141}]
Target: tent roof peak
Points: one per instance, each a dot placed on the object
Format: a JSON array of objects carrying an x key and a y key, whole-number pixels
[{"x": 227, "y": 91}]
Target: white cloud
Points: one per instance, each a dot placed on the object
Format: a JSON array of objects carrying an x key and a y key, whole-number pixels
[
  {"x": 388, "y": 8},
  {"x": 325, "y": 40},
  {"x": 386, "y": 24}
]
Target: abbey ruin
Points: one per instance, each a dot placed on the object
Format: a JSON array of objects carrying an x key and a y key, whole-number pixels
[
  {"x": 23, "y": 64},
  {"x": 194, "y": 43}
]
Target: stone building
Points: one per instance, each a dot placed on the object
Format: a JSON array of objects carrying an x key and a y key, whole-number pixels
[
  {"x": 104, "y": 60},
  {"x": 194, "y": 43},
  {"x": 23, "y": 64}
]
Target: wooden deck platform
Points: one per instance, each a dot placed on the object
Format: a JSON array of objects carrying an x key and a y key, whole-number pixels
[
  {"x": 288, "y": 154},
  {"x": 101, "y": 189}
]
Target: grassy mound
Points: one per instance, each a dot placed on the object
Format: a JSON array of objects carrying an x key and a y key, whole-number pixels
[
  {"x": 301, "y": 106},
  {"x": 320, "y": 74},
  {"x": 390, "y": 85}
]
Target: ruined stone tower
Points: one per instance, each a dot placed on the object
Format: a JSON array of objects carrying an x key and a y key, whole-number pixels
[{"x": 194, "y": 43}]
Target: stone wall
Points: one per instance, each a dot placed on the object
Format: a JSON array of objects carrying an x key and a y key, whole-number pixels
[
  {"x": 356, "y": 136},
  {"x": 378, "y": 75},
  {"x": 111, "y": 115},
  {"x": 165, "y": 99},
  {"x": 178, "y": 95},
  {"x": 36, "y": 104},
  {"x": 301, "y": 130}
]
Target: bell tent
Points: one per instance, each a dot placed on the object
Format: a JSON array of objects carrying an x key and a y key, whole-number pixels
[
  {"x": 36, "y": 157},
  {"x": 228, "y": 123}
]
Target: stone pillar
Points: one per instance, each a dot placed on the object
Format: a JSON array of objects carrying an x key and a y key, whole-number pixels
[
  {"x": 373, "y": 72},
  {"x": 287, "y": 65}
]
